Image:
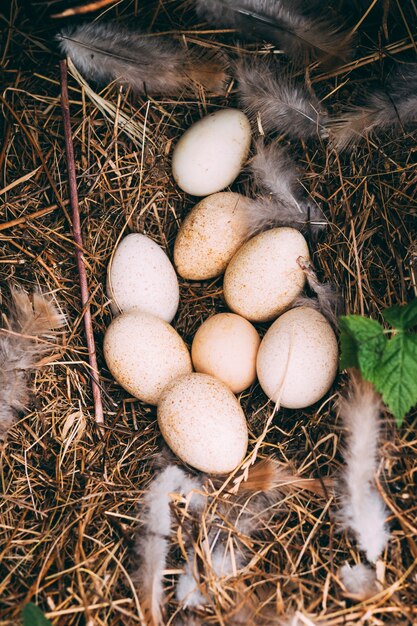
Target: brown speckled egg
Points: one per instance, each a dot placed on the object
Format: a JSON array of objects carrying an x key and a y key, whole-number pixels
[
  {"x": 263, "y": 278},
  {"x": 203, "y": 423},
  {"x": 210, "y": 235},
  {"x": 141, "y": 277},
  {"x": 145, "y": 354},
  {"x": 298, "y": 358},
  {"x": 226, "y": 346}
]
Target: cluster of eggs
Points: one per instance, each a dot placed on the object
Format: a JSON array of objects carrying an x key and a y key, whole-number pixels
[{"x": 198, "y": 413}]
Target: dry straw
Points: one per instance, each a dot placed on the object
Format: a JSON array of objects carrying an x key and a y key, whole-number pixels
[{"x": 69, "y": 496}]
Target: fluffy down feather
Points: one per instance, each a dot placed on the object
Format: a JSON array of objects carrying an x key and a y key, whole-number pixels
[
  {"x": 152, "y": 544},
  {"x": 327, "y": 301},
  {"x": 360, "y": 580},
  {"x": 394, "y": 107},
  {"x": 363, "y": 511},
  {"x": 154, "y": 65},
  {"x": 26, "y": 337},
  {"x": 273, "y": 99},
  {"x": 284, "y": 23},
  {"x": 235, "y": 519},
  {"x": 276, "y": 175}
]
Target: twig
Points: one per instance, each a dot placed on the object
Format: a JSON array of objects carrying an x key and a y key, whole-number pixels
[
  {"x": 31, "y": 216},
  {"x": 76, "y": 225}
]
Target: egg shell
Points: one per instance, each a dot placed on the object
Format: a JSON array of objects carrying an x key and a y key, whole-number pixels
[
  {"x": 203, "y": 423},
  {"x": 142, "y": 277},
  {"x": 210, "y": 235},
  {"x": 210, "y": 154},
  {"x": 263, "y": 278},
  {"x": 226, "y": 346},
  {"x": 145, "y": 354},
  {"x": 298, "y": 358}
]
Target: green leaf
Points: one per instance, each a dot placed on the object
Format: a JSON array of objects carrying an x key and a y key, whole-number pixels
[
  {"x": 33, "y": 616},
  {"x": 348, "y": 350},
  {"x": 362, "y": 344},
  {"x": 396, "y": 376},
  {"x": 403, "y": 317}
]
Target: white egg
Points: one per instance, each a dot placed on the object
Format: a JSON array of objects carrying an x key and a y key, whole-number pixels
[
  {"x": 263, "y": 278},
  {"x": 145, "y": 354},
  {"x": 203, "y": 423},
  {"x": 142, "y": 277},
  {"x": 210, "y": 235},
  {"x": 210, "y": 154},
  {"x": 298, "y": 358},
  {"x": 226, "y": 346}
]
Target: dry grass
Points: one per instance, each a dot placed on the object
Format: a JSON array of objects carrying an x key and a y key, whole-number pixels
[{"x": 68, "y": 496}]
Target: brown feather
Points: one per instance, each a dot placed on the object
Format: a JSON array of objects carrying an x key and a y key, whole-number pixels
[
  {"x": 268, "y": 474},
  {"x": 26, "y": 337}
]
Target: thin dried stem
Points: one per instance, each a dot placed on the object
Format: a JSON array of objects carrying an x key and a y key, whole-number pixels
[{"x": 79, "y": 249}]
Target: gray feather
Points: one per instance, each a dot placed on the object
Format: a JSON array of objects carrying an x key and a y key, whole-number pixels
[
  {"x": 394, "y": 107},
  {"x": 282, "y": 202},
  {"x": 154, "y": 65},
  {"x": 284, "y": 23},
  {"x": 277, "y": 102}
]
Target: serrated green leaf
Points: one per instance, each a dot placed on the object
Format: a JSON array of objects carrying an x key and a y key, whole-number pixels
[
  {"x": 396, "y": 376},
  {"x": 402, "y": 317},
  {"x": 362, "y": 344},
  {"x": 33, "y": 616}
]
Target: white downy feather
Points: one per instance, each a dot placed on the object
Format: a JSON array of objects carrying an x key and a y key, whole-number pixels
[
  {"x": 359, "y": 580},
  {"x": 152, "y": 545},
  {"x": 187, "y": 591},
  {"x": 363, "y": 511}
]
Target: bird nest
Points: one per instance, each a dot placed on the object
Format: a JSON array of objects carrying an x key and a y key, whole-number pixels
[{"x": 70, "y": 490}]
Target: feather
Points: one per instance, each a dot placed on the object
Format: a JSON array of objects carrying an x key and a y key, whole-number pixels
[
  {"x": 278, "y": 103},
  {"x": 21, "y": 346},
  {"x": 363, "y": 511},
  {"x": 275, "y": 174},
  {"x": 394, "y": 107},
  {"x": 360, "y": 580},
  {"x": 152, "y": 545},
  {"x": 328, "y": 300},
  {"x": 268, "y": 475},
  {"x": 155, "y": 65},
  {"x": 282, "y": 22},
  {"x": 187, "y": 590}
]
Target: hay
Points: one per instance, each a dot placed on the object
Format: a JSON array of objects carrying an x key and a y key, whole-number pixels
[{"x": 67, "y": 516}]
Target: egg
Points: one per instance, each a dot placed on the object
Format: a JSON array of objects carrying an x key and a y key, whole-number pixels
[
  {"x": 263, "y": 278},
  {"x": 210, "y": 154},
  {"x": 226, "y": 346},
  {"x": 203, "y": 423},
  {"x": 210, "y": 235},
  {"x": 298, "y": 358},
  {"x": 145, "y": 354},
  {"x": 142, "y": 277}
]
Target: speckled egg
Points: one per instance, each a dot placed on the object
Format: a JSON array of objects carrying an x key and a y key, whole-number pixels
[
  {"x": 210, "y": 235},
  {"x": 226, "y": 346},
  {"x": 203, "y": 423},
  {"x": 145, "y": 354},
  {"x": 298, "y": 358},
  {"x": 142, "y": 277},
  {"x": 211, "y": 153},
  {"x": 263, "y": 278}
]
